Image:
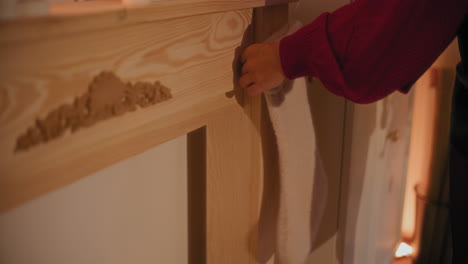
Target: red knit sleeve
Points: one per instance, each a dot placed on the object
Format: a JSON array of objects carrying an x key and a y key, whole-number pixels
[{"x": 368, "y": 49}]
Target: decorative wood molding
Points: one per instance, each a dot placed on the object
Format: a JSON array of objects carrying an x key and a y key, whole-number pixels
[{"x": 107, "y": 97}]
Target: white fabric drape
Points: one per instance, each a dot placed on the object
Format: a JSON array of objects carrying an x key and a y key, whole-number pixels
[{"x": 296, "y": 223}]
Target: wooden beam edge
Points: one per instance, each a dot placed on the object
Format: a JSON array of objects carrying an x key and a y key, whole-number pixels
[
  {"x": 21, "y": 186},
  {"x": 79, "y": 17}
]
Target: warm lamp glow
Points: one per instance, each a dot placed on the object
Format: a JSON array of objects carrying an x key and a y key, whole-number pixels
[{"x": 404, "y": 250}]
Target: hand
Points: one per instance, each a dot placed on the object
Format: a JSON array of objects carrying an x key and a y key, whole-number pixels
[{"x": 261, "y": 70}]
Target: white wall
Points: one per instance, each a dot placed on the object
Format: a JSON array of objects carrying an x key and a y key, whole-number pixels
[
  {"x": 132, "y": 212},
  {"x": 329, "y": 133},
  {"x": 374, "y": 177}
]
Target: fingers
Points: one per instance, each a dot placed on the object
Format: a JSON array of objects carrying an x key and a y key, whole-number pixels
[
  {"x": 260, "y": 69},
  {"x": 247, "y": 67},
  {"x": 248, "y": 52},
  {"x": 246, "y": 80}
]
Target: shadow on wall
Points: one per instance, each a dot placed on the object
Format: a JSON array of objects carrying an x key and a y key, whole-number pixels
[
  {"x": 374, "y": 167},
  {"x": 351, "y": 194},
  {"x": 329, "y": 137},
  {"x": 330, "y": 141},
  {"x": 329, "y": 129},
  {"x": 328, "y": 114}
]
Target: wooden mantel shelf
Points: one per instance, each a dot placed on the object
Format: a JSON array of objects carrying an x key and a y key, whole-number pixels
[
  {"x": 50, "y": 62},
  {"x": 160, "y": 9},
  {"x": 75, "y": 17},
  {"x": 131, "y": 78}
]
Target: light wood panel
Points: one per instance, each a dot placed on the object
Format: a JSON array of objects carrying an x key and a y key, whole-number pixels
[
  {"x": 193, "y": 56},
  {"x": 267, "y": 21},
  {"x": 233, "y": 175},
  {"x": 235, "y": 168},
  {"x": 74, "y": 18}
]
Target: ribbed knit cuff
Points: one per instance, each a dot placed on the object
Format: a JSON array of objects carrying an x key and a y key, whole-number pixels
[
  {"x": 307, "y": 52},
  {"x": 299, "y": 50}
]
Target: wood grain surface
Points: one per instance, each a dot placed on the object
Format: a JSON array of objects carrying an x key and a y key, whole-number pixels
[
  {"x": 234, "y": 169},
  {"x": 232, "y": 185},
  {"x": 192, "y": 56},
  {"x": 79, "y": 17}
]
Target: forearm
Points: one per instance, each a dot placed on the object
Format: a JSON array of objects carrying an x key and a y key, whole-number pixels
[{"x": 368, "y": 49}]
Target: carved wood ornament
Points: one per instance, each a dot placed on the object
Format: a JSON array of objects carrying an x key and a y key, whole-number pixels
[{"x": 107, "y": 96}]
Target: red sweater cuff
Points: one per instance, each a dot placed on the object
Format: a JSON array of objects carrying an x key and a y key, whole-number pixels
[{"x": 307, "y": 52}]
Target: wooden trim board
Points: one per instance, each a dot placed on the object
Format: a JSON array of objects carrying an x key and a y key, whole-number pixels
[
  {"x": 196, "y": 193},
  {"x": 192, "y": 56},
  {"x": 79, "y": 17},
  {"x": 196, "y": 58}
]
